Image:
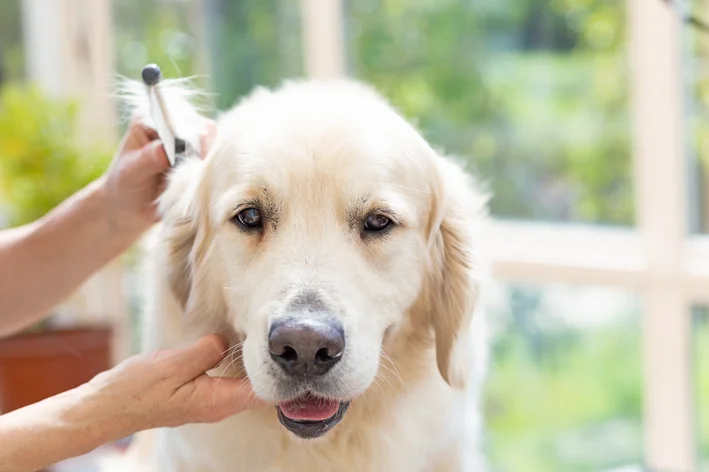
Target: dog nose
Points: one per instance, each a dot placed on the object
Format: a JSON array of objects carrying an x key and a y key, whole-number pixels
[{"x": 306, "y": 348}]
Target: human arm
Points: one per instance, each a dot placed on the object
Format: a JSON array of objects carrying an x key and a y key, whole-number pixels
[
  {"x": 164, "y": 389},
  {"x": 45, "y": 261}
]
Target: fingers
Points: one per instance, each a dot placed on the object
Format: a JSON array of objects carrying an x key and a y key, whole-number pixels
[
  {"x": 150, "y": 160},
  {"x": 154, "y": 157},
  {"x": 228, "y": 396},
  {"x": 138, "y": 135},
  {"x": 142, "y": 138},
  {"x": 198, "y": 358}
]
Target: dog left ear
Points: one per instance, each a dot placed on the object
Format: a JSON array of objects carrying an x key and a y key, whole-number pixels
[
  {"x": 187, "y": 233},
  {"x": 454, "y": 276}
]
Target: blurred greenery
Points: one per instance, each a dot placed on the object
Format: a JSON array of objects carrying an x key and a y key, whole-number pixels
[
  {"x": 531, "y": 94},
  {"x": 11, "y": 53},
  {"x": 697, "y": 67},
  {"x": 252, "y": 42},
  {"x": 42, "y": 160},
  {"x": 151, "y": 31},
  {"x": 701, "y": 379},
  {"x": 257, "y": 42},
  {"x": 580, "y": 390}
]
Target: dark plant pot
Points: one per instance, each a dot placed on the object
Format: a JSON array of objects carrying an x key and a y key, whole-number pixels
[{"x": 38, "y": 365}]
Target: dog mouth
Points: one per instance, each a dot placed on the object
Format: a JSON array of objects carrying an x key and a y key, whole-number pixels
[{"x": 310, "y": 416}]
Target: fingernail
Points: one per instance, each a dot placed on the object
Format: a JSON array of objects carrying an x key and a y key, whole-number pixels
[{"x": 220, "y": 341}]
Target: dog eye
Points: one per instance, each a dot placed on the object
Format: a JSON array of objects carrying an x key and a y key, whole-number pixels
[
  {"x": 376, "y": 222},
  {"x": 250, "y": 218}
]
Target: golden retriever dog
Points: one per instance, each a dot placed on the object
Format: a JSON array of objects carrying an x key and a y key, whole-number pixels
[{"x": 339, "y": 253}]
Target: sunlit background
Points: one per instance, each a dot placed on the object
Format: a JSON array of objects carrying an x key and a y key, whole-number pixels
[{"x": 587, "y": 119}]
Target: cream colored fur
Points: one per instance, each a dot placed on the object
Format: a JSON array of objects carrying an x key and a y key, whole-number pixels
[{"x": 317, "y": 153}]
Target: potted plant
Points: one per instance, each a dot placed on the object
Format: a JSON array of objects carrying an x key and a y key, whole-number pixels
[{"x": 42, "y": 162}]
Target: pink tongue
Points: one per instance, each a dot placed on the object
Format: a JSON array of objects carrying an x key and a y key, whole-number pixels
[{"x": 310, "y": 408}]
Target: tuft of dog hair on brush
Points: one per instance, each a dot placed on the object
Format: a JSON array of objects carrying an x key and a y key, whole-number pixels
[{"x": 186, "y": 105}]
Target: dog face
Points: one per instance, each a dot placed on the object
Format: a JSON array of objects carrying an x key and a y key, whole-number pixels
[{"x": 317, "y": 227}]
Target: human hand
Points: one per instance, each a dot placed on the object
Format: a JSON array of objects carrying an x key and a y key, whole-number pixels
[
  {"x": 136, "y": 177},
  {"x": 168, "y": 388}
]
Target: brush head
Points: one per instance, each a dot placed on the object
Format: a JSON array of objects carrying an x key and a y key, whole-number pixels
[{"x": 151, "y": 74}]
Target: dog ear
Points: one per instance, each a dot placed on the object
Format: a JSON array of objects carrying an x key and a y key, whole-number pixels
[
  {"x": 187, "y": 234},
  {"x": 455, "y": 270},
  {"x": 181, "y": 214}
]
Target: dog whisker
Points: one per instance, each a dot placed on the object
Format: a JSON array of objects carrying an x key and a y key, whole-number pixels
[
  {"x": 394, "y": 372},
  {"x": 382, "y": 377},
  {"x": 232, "y": 362}
]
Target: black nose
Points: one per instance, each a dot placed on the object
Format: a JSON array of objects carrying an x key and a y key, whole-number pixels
[{"x": 306, "y": 348}]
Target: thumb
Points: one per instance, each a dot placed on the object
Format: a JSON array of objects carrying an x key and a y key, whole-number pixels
[
  {"x": 231, "y": 396},
  {"x": 151, "y": 159},
  {"x": 199, "y": 357}
]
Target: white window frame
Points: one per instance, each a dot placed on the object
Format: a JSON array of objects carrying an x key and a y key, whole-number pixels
[{"x": 656, "y": 258}]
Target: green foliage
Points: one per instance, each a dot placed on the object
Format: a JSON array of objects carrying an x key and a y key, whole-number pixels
[
  {"x": 701, "y": 379},
  {"x": 41, "y": 160},
  {"x": 696, "y": 67},
  {"x": 556, "y": 394},
  {"x": 11, "y": 52},
  {"x": 565, "y": 141},
  {"x": 250, "y": 42},
  {"x": 147, "y": 32},
  {"x": 532, "y": 95}
]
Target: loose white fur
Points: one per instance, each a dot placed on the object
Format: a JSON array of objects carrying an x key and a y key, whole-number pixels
[{"x": 320, "y": 156}]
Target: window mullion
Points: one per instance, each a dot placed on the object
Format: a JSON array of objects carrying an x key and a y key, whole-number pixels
[
  {"x": 323, "y": 38},
  {"x": 660, "y": 180}
]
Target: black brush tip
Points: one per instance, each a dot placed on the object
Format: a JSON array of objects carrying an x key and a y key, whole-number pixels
[{"x": 151, "y": 74}]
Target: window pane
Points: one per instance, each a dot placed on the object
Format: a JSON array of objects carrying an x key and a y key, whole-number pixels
[
  {"x": 701, "y": 199},
  {"x": 251, "y": 42},
  {"x": 163, "y": 32},
  {"x": 11, "y": 66},
  {"x": 237, "y": 44},
  {"x": 575, "y": 355},
  {"x": 532, "y": 94},
  {"x": 701, "y": 374},
  {"x": 11, "y": 53},
  {"x": 696, "y": 48}
]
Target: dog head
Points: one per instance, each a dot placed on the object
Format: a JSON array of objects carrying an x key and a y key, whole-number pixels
[{"x": 319, "y": 227}]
